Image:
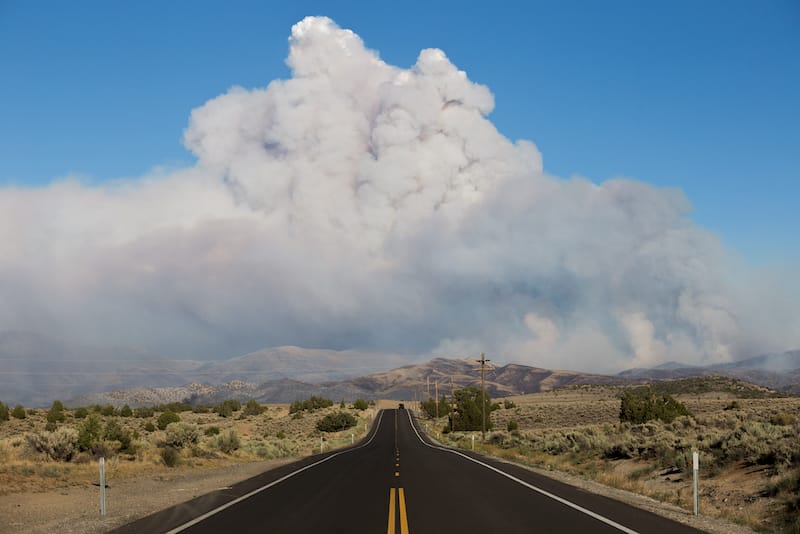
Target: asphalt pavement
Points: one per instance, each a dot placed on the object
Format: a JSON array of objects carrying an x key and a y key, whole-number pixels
[{"x": 397, "y": 481}]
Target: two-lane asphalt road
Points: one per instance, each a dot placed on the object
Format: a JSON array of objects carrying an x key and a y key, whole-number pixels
[{"x": 396, "y": 481}]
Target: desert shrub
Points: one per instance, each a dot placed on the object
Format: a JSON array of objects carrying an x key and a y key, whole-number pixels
[
  {"x": 228, "y": 441},
  {"x": 432, "y": 410},
  {"x": 126, "y": 411},
  {"x": 56, "y": 413},
  {"x": 211, "y": 431},
  {"x": 144, "y": 412},
  {"x": 512, "y": 425},
  {"x": 114, "y": 432},
  {"x": 108, "y": 410},
  {"x": 281, "y": 434},
  {"x": 170, "y": 456},
  {"x": 201, "y": 408},
  {"x": 640, "y": 406},
  {"x": 469, "y": 414},
  {"x": 360, "y": 404},
  {"x": 81, "y": 413},
  {"x": 166, "y": 418},
  {"x": 180, "y": 435},
  {"x": 3, "y": 412},
  {"x": 60, "y": 445},
  {"x": 149, "y": 426},
  {"x": 19, "y": 412},
  {"x": 310, "y": 404},
  {"x": 89, "y": 432},
  {"x": 782, "y": 419},
  {"x": 253, "y": 408},
  {"x": 227, "y": 407},
  {"x": 507, "y": 404},
  {"x": 334, "y": 422},
  {"x": 733, "y": 405}
]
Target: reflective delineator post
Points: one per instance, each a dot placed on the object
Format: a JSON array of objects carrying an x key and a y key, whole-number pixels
[
  {"x": 473, "y": 442},
  {"x": 102, "y": 486},
  {"x": 696, "y": 469}
]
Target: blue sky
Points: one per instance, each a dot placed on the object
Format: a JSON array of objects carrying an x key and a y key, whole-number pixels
[{"x": 702, "y": 96}]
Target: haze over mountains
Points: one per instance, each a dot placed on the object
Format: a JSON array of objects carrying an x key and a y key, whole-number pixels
[{"x": 35, "y": 370}]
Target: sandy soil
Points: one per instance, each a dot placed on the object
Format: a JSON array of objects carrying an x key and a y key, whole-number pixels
[{"x": 76, "y": 509}]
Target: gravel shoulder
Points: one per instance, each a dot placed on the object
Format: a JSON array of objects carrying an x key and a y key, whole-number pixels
[{"x": 76, "y": 509}]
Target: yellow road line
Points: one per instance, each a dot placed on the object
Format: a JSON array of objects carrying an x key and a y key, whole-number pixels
[
  {"x": 403, "y": 518},
  {"x": 390, "y": 527}
]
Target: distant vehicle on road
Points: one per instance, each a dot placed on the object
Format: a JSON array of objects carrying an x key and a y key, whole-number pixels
[{"x": 402, "y": 406}]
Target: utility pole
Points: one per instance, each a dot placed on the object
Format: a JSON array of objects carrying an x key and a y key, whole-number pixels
[
  {"x": 483, "y": 396},
  {"x": 452, "y": 404},
  {"x": 437, "y": 399}
]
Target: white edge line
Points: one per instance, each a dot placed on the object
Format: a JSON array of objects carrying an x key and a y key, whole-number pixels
[
  {"x": 237, "y": 500},
  {"x": 563, "y": 501}
]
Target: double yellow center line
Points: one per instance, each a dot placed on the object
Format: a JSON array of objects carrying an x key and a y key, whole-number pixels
[{"x": 401, "y": 496}]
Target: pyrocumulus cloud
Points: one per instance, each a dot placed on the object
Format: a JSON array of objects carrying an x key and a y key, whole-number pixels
[{"x": 362, "y": 205}]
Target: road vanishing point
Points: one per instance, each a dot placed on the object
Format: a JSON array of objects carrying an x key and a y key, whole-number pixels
[{"x": 399, "y": 482}]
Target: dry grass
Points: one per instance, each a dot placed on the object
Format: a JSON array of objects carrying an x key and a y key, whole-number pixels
[
  {"x": 750, "y": 456},
  {"x": 272, "y": 434}
]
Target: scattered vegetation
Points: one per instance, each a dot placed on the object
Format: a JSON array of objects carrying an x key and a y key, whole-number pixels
[
  {"x": 227, "y": 407},
  {"x": 309, "y": 405},
  {"x": 334, "y": 422},
  {"x": 167, "y": 418},
  {"x": 360, "y": 404},
  {"x": 19, "y": 412},
  {"x": 643, "y": 404},
  {"x": 253, "y": 408}
]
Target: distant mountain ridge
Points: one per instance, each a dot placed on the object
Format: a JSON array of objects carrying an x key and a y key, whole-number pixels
[
  {"x": 403, "y": 383},
  {"x": 779, "y": 371}
]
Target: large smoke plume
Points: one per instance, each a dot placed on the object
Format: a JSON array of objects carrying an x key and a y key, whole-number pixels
[{"x": 362, "y": 205}]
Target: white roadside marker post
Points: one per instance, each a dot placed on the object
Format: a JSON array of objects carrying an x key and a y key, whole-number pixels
[
  {"x": 321, "y": 444},
  {"x": 695, "y": 469},
  {"x": 473, "y": 442},
  {"x": 102, "y": 486},
  {"x": 352, "y": 439}
]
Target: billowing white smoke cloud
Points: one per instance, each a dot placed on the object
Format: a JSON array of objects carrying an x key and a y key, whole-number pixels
[{"x": 361, "y": 205}]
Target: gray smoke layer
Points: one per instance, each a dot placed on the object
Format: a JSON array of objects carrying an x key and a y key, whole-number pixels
[{"x": 362, "y": 205}]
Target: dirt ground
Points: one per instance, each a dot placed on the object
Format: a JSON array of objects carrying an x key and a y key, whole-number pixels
[{"x": 76, "y": 509}]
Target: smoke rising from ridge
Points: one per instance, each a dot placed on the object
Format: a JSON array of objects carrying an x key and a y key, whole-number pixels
[{"x": 362, "y": 205}]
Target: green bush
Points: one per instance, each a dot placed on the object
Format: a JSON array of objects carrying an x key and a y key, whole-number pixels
[
  {"x": 733, "y": 405},
  {"x": 144, "y": 412},
  {"x": 170, "y": 456},
  {"x": 310, "y": 404},
  {"x": 19, "y": 412},
  {"x": 468, "y": 413},
  {"x": 334, "y": 422},
  {"x": 166, "y": 418},
  {"x": 211, "y": 431},
  {"x": 507, "y": 404},
  {"x": 227, "y": 407},
  {"x": 201, "y": 408},
  {"x": 228, "y": 441},
  {"x": 90, "y": 432},
  {"x": 56, "y": 413},
  {"x": 81, "y": 413},
  {"x": 512, "y": 425},
  {"x": 149, "y": 426},
  {"x": 360, "y": 404},
  {"x": 433, "y": 410},
  {"x": 180, "y": 435},
  {"x": 126, "y": 411},
  {"x": 108, "y": 410},
  {"x": 640, "y": 406},
  {"x": 253, "y": 408},
  {"x": 3, "y": 412},
  {"x": 114, "y": 432}
]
